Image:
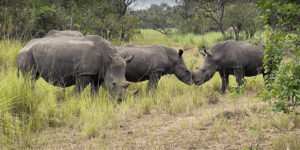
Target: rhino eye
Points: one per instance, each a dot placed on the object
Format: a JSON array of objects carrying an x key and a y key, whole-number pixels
[
  {"x": 203, "y": 70},
  {"x": 186, "y": 71}
]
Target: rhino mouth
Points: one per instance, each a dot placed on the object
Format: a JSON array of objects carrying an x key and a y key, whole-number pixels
[
  {"x": 188, "y": 82},
  {"x": 198, "y": 82}
]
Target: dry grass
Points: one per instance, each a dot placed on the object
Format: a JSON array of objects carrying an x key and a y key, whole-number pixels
[{"x": 176, "y": 116}]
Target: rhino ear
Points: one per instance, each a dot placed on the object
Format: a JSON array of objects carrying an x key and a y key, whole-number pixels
[
  {"x": 128, "y": 59},
  {"x": 180, "y": 52},
  {"x": 202, "y": 53},
  {"x": 209, "y": 54}
]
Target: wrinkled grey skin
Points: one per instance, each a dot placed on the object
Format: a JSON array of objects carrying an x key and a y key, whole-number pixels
[
  {"x": 65, "y": 32},
  {"x": 238, "y": 58},
  {"x": 151, "y": 63},
  {"x": 64, "y": 61}
]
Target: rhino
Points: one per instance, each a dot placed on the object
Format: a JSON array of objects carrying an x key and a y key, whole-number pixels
[
  {"x": 238, "y": 58},
  {"x": 152, "y": 62},
  {"x": 231, "y": 29},
  {"x": 64, "y": 61},
  {"x": 65, "y": 32}
]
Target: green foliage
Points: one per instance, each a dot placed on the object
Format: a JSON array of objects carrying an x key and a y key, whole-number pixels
[
  {"x": 46, "y": 19},
  {"x": 16, "y": 19},
  {"x": 161, "y": 18},
  {"x": 251, "y": 148},
  {"x": 285, "y": 89},
  {"x": 151, "y": 37},
  {"x": 28, "y": 19},
  {"x": 239, "y": 89},
  {"x": 241, "y": 16},
  {"x": 193, "y": 62}
]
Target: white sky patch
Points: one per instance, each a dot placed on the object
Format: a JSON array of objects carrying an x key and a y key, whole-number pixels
[{"x": 144, "y": 5}]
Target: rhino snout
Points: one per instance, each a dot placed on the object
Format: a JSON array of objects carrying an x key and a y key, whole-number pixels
[
  {"x": 189, "y": 82},
  {"x": 198, "y": 82}
]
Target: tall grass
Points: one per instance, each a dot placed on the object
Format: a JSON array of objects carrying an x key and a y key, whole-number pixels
[
  {"x": 24, "y": 114},
  {"x": 151, "y": 37}
]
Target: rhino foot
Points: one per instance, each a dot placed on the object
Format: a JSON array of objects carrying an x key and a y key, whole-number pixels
[{"x": 222, "y": 91}]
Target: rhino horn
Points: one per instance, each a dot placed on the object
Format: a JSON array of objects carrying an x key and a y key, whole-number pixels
[
  {"x": 128, "y": 59},
  {"x": 136, "y": 91},
  {"x": 202, "y": 53},
  {"x": 125, "y": 85},
  {"x": 209, "y": 54}
]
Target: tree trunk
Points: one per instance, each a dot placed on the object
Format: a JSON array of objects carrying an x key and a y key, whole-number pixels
[
  {"x": 71, "y": 24},
  {"x": 123, "y": 35},
  {"x": 221, "y": 29}
]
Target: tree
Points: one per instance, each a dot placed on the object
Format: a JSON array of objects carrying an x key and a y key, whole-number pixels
[
  {"x": 160, "y": 18},
  {"x": 282, "y": 41},
  {"x": 27, "y": 19},
  {"x": 121, "y": 7},
  {"x": 214, "y": 9},
  {"x": 16, "y": 18},
  {"x": 241, "y": 16},
  {"x": 48, "y": 16},
  {"x": 186, "y": 10}
]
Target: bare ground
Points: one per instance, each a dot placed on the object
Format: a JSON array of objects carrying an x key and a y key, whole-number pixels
[{"x": 204, "y": 128}]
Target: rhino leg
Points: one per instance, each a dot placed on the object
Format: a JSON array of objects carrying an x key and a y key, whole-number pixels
[
  {"x": 95, "y": 85},
  {"x": 154, "y": 77},
  {"x": 239, "y": 76},
  {"x": 81, "y": 83},
  {"x": 34, "y": 79},
  {"x": 30, "y": 73},
  {"x": 225, "y": 81}
]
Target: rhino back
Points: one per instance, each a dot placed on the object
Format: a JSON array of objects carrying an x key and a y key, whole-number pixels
[
  {"x": 146, "y": 60},
  {"x": 61, "y": 59},
  {"x": 65, "y": 32}
]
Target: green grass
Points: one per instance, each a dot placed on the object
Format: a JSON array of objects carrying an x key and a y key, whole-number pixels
[
  {"x": 151, "y": 37},
  {"x": 24, "y": 114}
]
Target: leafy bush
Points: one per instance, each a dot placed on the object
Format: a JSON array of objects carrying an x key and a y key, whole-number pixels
[{"x": 285, "y": 89}]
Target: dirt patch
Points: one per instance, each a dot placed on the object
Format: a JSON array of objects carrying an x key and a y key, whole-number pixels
[
  {"x": 233, "y": 115},
  {"x": 205, "y": 128}
]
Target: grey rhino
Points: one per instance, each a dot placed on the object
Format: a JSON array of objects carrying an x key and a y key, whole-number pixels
[
  {"x": 231, "y": 29},
  {"x": 65, "y": 32},
  {"x": 150, "y": 63},
  {"x": 64, "y": 61},
  {"x": 238, "y": 58}
]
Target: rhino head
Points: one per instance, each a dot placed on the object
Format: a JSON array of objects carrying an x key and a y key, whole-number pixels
[
  {"x": 181, "y": 71},
  {"x": 114, "y": 79},
  {"x": 206, "y": 71}
]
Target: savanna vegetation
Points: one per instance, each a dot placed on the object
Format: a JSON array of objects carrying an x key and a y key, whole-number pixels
[{"x": 176, "y": 116}]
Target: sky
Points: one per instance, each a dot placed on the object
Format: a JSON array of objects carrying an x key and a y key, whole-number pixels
[{"x": 147, "y": 4}]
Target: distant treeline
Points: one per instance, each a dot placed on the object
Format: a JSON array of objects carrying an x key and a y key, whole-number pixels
[
  {"x": 118, "y": 20},
  {"x": 26, "y": 19}
]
